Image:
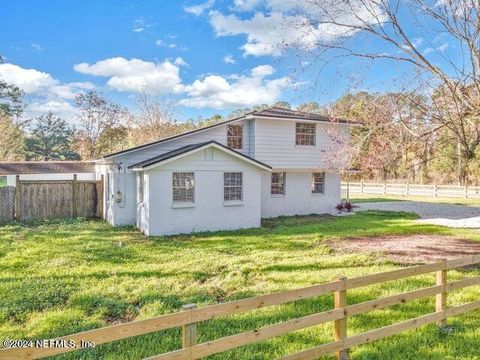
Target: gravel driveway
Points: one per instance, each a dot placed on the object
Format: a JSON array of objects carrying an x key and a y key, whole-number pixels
[{"x": 460, "y": 216}]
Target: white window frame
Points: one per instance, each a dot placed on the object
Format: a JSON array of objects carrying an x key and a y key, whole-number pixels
[
  {"x": 230, "y": 186},
  {"x": 283, "y": 184},
  {"x": 235, "y": 138},
  {"x": 185, "y": 186},
  {"x": 314, "y": 183},
  {"x": 303, "y": 134}
]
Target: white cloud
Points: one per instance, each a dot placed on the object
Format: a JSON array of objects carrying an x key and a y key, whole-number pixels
[
  {"x": 228, "y": 59},
  {"x": 139, "y": 25},
  {"x": 416, "y": 42},
  {"x": 245, "y": 5},
  {"x": 37, "y": 47},
  {"x": 241, "y": 91},
  {"x": 180, "y": 62},
  {"x": 440, "y": 49},
  {"x": 135, "y": 75},
  {"x": 200, "y": 8},
  {"x": 270, "y": 33},
  {"x": 29, "y": 80},
  {"x": 63, "y": 109},
  {"x": 43, "y": 92}
]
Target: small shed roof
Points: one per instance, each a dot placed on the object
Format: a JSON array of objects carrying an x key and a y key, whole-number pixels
[{"x": 46, "y": 167}]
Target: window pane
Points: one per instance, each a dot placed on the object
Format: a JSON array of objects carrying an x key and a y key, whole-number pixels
[
  {"x": 232, "y": 188},
  {"x": 318, "y": 182},
  {"x": 305, "y": 134},
  {"x": 278, "y": 184},
  {"x": 235, "y": 136},
  {"x": 183, "y": 186}
]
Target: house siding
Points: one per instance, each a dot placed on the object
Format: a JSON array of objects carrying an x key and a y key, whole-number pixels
[
  {"x": 275, "y": 145},
  {"x": 298, "y": 198},
  {"x": 209, "y": 212},
  {"x": 218, "y": 134}
]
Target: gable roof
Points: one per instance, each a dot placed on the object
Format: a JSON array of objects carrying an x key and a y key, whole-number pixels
[
  {"x": 190, "y": 149},
  {"x": 273, "y": 112},
  {"x": 46, "y": 167}
]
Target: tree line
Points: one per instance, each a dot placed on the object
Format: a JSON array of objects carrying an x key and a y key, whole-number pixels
[{"x": 395, "y": 139}]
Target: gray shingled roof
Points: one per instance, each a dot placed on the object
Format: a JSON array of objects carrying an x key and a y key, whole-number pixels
[
  {"x": 277, "y": 112},
  {"x": 185, "y": 149},
  {"x": 46, "y": 167}
]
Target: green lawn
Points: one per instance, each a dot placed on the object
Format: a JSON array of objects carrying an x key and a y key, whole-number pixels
[
  {"x": 3, "y": 181},
  {"x": 62, "y": 277},
  {"x": 357, "y": 198}
]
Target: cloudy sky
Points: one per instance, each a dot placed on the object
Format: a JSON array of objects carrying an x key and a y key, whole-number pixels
[{"x": 210, "y": 56}]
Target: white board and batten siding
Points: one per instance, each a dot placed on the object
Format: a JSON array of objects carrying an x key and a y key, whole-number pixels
[{"x": 209, "y": 212}]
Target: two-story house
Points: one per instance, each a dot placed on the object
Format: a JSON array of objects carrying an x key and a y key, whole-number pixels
[{"x": 225, "y": 176}]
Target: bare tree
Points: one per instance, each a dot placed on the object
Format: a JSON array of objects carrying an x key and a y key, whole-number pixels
[
  {"x": 97, "y": 116},
  {"x": 348, "y": 28},
  {"x": 155, "y": 120}
]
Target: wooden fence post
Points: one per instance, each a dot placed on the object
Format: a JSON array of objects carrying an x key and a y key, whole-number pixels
[
  {"x": 341, "y": 324},
  {"x": 441, "y": 298},
  {"x": 74, "y": 196},
  {"x": 435, "y": 190},
  {"x": 466, "y": 191},
  {"x": 17, "y": 197},
  {"x": 189, "y": 332},
  {"x": 361, "y": 187},
  {"x": 384, "y": 188},
  {"x": 407, "y": 189}
]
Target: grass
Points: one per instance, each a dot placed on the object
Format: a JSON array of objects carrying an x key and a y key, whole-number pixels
[
  {"x": 357, "y": 198},
  {"x": 3, "y": 181},
  {"x": 62, "y": 277}
]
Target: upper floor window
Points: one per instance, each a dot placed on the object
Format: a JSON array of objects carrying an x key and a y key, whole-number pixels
[
  {"x": 235, "y": 136},
  {"x": 141, "y": 187},
  {"x": 183, "y": 184},
  {"x": 305, "y": 134},
  {"x": 232, "y": 186},
  {"x": 278, "y": 183},
  {"x": 318, "y": 183}
]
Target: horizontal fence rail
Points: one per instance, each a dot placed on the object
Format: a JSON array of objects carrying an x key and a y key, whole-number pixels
[
  {"x": 191, "y": 315},
  {"x": 406, "y": 189}
]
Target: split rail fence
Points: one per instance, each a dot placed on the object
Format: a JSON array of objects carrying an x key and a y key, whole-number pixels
[
  {"x": 342, "y": 311},
  {"x": 405, "y": 189},
  {"x": 51, "y": 199}
]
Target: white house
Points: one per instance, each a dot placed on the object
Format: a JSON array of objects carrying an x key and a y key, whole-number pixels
[{"x": 225, "y": 176}]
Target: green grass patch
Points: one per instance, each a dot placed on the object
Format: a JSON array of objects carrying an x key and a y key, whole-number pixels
[
  {"x": 61, "y": 277},
  {"x": 3, "y": 181}
]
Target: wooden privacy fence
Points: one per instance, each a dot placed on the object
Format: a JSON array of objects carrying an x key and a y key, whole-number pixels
[
  {"x": 406, "y": 189},
  {"x": 7, "y": 204},
  {"x": 191, "y": 315},
  {"x": 51, "y": 199}
]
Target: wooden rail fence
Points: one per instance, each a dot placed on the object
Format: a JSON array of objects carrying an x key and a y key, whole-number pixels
[
  {"x": 51, "y": 199},
  {"x": 191, "y": 315},
  {"x": 406, "y": 189}
]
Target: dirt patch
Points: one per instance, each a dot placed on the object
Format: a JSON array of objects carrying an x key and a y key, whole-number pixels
[{"x": 410, "y": 249}]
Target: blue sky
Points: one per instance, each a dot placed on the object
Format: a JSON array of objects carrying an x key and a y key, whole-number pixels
[{"x": 210, "y": 56}]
